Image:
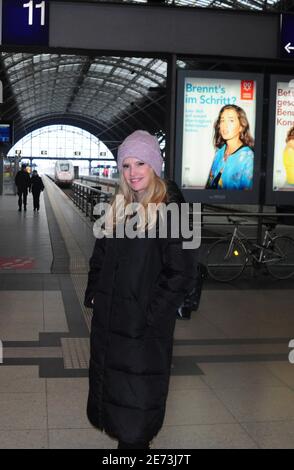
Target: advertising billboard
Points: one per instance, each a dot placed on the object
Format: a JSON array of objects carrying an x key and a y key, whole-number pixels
[
  {"x": 218, "y": 136},
  {"x": 280, "y": 169}
]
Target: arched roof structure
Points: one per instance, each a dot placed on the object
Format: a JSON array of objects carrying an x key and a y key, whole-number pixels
[
  {"x": 107, "y": 96},
  {"x": 224, "y": 4}
]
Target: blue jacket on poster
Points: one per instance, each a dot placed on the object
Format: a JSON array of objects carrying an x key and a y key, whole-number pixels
[{"x": 234, "y": 173}]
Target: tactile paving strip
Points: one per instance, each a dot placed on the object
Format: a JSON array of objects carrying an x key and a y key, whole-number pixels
[
  {"x": 80, "y": 284},
  {"x": 76, "y": 352},
  {"x": 78, "y": 264}
]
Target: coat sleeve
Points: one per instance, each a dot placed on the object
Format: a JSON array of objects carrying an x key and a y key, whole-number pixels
[
  {"x": 96, "y": 261},
  {"x": 176, "y": 279}
]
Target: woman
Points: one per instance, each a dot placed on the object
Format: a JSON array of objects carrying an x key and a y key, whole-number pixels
[
  {"x": 136, "y": 286},
  {"x": 232, "y": 167}
]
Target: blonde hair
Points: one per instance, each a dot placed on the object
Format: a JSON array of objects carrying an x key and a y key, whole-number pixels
[{"x": 146, "y": 209}]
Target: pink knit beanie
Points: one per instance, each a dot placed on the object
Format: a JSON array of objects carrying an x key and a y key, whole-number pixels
[{"x": 144, "y": 147}]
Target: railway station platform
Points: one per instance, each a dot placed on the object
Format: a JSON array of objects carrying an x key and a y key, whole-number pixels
[{"x": 232, "y": 384}]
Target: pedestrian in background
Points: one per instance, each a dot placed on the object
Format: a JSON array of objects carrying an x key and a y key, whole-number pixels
[
  {"x": 135, "y": 287},
  {"x": 36, "y": 187},
  {"x": 23, "y": 183}
]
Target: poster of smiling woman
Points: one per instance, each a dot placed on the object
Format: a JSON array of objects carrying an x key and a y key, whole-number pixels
[{"x": 219, "y": 115}]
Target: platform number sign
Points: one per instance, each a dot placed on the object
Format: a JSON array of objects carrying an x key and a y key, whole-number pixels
[
  {"x": 25, "y": 22},
  {"x": 30, "y": 5}
]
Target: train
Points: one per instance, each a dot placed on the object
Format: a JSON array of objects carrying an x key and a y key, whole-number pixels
[{"x": 63, "y": 173}]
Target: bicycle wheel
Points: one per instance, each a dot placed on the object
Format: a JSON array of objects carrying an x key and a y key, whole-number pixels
[
  {"x": 225, "y": 260},
  {"x": 279, "y": 257}
]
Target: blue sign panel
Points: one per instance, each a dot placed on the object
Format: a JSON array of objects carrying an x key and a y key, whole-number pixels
[
  {"x": 287, "y": 35},
  {"x": 5, "y": 133},
  {"x": 25, "y": 22}
]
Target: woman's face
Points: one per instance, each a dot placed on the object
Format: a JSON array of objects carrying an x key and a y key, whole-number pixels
[
  {"x": 138, "y": 174},
  {"x": 229, "y": 126}
]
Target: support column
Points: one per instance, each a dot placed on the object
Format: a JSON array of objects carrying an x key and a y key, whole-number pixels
[{"x": 170, "y": 116}]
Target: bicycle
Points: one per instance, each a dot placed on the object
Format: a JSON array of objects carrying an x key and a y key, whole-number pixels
[{"x": 227, "y": 258}]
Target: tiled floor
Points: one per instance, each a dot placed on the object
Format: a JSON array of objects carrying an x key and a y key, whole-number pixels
[{"x": 232, "y": 385}]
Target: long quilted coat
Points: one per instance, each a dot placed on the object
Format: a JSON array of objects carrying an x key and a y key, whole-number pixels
[{"x": 137, "y": 286}]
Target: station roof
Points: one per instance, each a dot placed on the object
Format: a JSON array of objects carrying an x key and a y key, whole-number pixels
[
  {"x": 224, "y": 4},
  {"x": 108, "y": 96}
]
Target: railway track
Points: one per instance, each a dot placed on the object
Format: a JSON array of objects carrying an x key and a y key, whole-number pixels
[{"x": 68, "y": 192}]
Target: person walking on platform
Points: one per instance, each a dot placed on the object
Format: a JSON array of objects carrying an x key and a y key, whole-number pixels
[
  {"x": 23, "y": 183},
  {"x": 36, "y": 187},
  {"x": 135, "y": 286}
]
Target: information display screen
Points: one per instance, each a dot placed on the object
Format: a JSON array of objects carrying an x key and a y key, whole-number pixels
[
  {"x": 218, "y": 136},
  {"x": 5, "y": 133}
]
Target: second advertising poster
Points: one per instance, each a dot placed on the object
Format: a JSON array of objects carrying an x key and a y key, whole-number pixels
[{"x": 283, "y": 173}]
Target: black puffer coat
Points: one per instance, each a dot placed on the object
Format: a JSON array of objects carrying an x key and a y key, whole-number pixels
[
  {"x": 36, "y": 184},
  {"x": 137, "y": 286},
  {"x": 22, "y": 180}
]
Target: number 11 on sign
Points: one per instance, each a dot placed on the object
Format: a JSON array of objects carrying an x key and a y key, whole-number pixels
[{"x": 30, "y": 5}]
